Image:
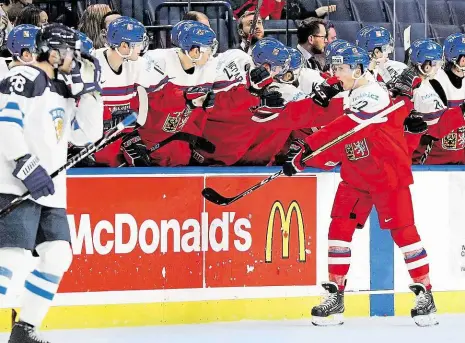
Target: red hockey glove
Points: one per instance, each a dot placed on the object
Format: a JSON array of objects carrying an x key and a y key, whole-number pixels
[
  {"x": 257, "y": 79},
  {"x": 406, "y": 83},
  {"x": 297, "y": 151}
]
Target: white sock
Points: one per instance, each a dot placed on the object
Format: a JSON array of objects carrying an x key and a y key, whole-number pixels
[{"x": 40, "y": 290}]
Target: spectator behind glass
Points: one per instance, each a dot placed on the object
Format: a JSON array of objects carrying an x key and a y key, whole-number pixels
[
  {"x": 331, "y": 34},
  {"x": 311, "y": 36},
  {"x": 243, "y": 28},
  {"x": 32, "y": 15},
  {"x": 197, "y": 16},
  {"x": 91, "y": 21}
]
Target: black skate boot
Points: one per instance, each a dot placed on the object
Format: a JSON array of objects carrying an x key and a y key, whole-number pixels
[
  {"x": 331, "y": 309},
  {"x": 25, "y": 333},
  {"x": 424, "y": 311}
]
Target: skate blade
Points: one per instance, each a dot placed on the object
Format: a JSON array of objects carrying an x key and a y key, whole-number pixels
[
  {"x": 426, "y": 320},
  {"x": 333, "y": 320}
]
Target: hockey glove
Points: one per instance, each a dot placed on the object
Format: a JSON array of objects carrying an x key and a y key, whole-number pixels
[
  {"x": 406, "y": 83},
  {"x": 199, "y": 97},
  {"x": 415, "y": 124},
  {"x": 271, "y": 104},
  {"x": 84, "y": 77},
  {"x": 323, "y": 93},
  {"x": 134, "y": 150},
  {"x": 257, "y": 79},
  {"x": 34, "y": 177},
  {"x": 297, "y": 151}
]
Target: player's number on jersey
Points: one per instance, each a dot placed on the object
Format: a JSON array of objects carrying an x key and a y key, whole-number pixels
[
  {"x": 437, "y": 105},
  {"x": 17, "y": 82},
  {"x": 360, "y": 105}
]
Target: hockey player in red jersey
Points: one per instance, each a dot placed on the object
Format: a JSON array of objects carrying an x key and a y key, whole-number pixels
[
  {"x": 123, "y": 70},
  {"x": 449, "y": 82},
  {"x": 257, "y": 112},
  {"x": 375, "y": 170},
  {"x": 183, "y": 103}
]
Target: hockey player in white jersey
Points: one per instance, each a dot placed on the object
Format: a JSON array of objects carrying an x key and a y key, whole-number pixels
[
  {"x": 379, "y": 44},
  {"x": 38, "y": 118},
  {"x": 427, "y": 95},
  {"x": 123, "y": 70},
  {"x": 183, "y": 103},
  {"x": 21, "y": 44},
  {"x": 451, "y": 148}
]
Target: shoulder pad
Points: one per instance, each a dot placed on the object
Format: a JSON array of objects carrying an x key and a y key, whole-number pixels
[{"x": 26, "y": 81}]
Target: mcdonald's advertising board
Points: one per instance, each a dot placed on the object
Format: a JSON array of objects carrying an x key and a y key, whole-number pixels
[{"x": 166, "y": 236}]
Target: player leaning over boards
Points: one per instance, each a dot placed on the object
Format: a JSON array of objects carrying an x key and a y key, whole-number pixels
[
  {"x": 39, "y": 117},
  {"x": 375, "y": 169}
]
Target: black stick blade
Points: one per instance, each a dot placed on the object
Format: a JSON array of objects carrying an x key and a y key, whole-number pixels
[{"x": 213, "y": 196}]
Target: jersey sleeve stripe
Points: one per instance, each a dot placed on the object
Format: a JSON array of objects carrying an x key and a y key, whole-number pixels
[
  {"x": 153, "y": 88},
  {"x": 363, "y": 115},
  {"x": 454, "y": 103},
  {"x": 12, "y": 120},
  {"x": 433, "y": 115}
]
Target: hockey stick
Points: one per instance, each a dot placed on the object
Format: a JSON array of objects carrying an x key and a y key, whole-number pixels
[
  {"x": 198, "y": 142},
  {"x": 256, "y": 13},
  {"x": 90, "y": 149},
  {"x": 216, "y": 198}
]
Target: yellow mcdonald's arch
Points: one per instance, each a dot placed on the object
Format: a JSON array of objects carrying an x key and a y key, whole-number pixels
[{"x": 286, "y": 218}]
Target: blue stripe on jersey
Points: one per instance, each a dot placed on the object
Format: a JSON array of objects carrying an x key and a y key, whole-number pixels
[
  {"x": 38, "y": 291},
  {"x": 2, "y": 290},
  {"x": 75, "y": 124},
  {"x": 363, "y": 115},
  {"x": 47, "y": 277},
  {"x": 6, "y": 272},
  {"x": 12, "y": 120},
  {"x": 13, "y": 106},
  {"x": 224, "y": 84},
  {"x": 161, "y": 83},
  {"x": 433, "y": 115},
  {"x": 454, "y": 103},
  {"x": 118, "y": 91}
]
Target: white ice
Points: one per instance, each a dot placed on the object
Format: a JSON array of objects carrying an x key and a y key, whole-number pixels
[{"x": 355, "y": 330}]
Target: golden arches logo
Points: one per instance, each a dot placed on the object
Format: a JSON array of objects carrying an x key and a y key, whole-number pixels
[{"x": 286, "y": 221}]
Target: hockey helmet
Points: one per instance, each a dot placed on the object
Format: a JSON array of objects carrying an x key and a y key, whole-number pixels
[
  {"x": 22, "y": 37},
  {"x": 272, "y": 52},
  {"x": 454, "y": 47},
  {"x": 129, "y": 30}
]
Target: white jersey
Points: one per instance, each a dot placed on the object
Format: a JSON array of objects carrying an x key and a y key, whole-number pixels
[
  {"x": 231, "y": 69},
  {"x": 119, "y": 89},
  {"x": 455, "y": 96},
  {"x": 168, "y": 62},
  {"x": 308, "y": 78},
  {"x": 39, "y": 117},
  {"x": 389, "y": 71},
  {"x": 428, "y": 103},
  {"x": 365, "y": 102}
]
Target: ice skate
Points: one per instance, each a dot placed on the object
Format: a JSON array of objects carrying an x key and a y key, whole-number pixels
[
  {"x": 424, "y": 311},
  {"x": 331, "y": 310},
  {"x": 25, "y": 333}
]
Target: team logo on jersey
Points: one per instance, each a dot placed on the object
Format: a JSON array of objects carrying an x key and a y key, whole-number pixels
[
  {"x": 175, "y": 121},
  {"x": 358, "y": 150},
  {"x": 58, "y": 115},
  {"x": 454, "y": 140}
]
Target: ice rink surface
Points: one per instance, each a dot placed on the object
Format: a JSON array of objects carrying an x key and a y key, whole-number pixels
[{"x": 357, "y": 330}]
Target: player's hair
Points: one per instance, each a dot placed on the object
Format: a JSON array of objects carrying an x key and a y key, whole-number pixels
[
  {"x": 29, "y": 15},
  {"x": 91, "y": 21},
  {"x": 102, "y": 22},
  {"x": 194, "y": 15},
  {"x": 308, "y": 27}
]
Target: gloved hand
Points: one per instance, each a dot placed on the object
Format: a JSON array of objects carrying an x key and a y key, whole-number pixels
[
  {"x": 406, "y": 83},
  {"x": 257, "y": 79},
  {"x": 415, "y": 124},
  {"x": 134, "y": 150},
  {"x": 297, "y": 151},
  {"x": 197, "y": 97},
  {"x": 84, "y": 77},
  {"x": 324, "y": 92},
  {"x": 271, "y": 104},
  {"x": 34, "y": 176}
]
